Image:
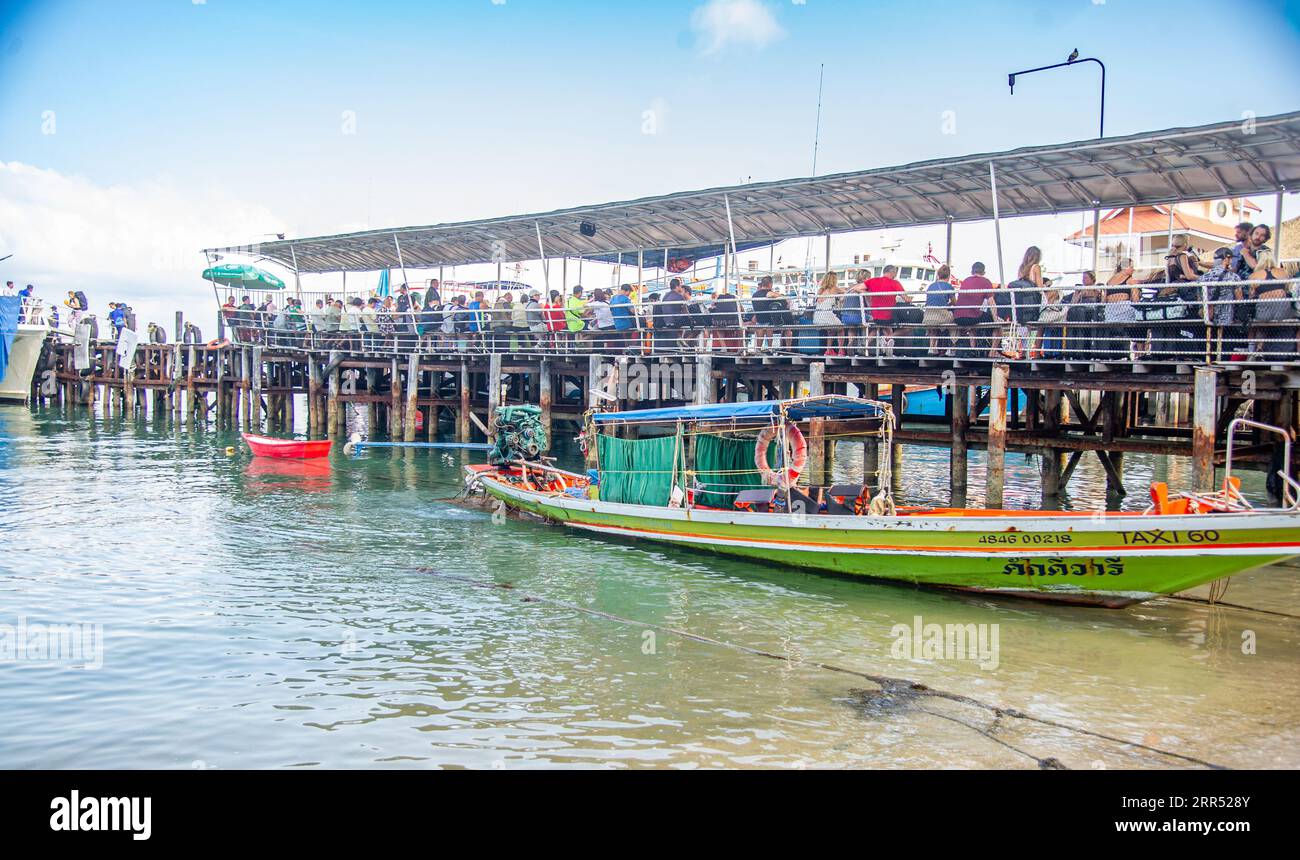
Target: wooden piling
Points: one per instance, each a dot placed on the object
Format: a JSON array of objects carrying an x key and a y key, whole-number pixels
[
  {"x": 462, "y": 418},
  {"x": 997, "y": 444},
  {"x": 957, "y": 463},
  {"x": 412, "y": 394},
  {"x": 1050, "y": 466},
  {"x": 395, "y": 423},
  {"x": 255, "y": 393},
  {"x": 313, "y": 396},
  {"x": 544, "y": 397},
  {"x": 816, "y": 467},
  {"x": 494, "y": 394},
  {"x": 1204, "y": 419}
]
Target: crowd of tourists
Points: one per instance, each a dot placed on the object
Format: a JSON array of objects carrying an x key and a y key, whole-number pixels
[{"x": 1242, "y": 295}]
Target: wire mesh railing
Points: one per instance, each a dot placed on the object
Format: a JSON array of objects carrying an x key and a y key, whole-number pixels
[{"x": 1207, "y": 321}]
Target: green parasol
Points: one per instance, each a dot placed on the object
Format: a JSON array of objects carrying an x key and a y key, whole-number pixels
[{"x": 240, "y": 275}]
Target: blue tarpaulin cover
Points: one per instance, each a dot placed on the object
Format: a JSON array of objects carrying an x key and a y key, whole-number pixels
[
  {"x": 10, "y": 306},
  {"x": 830, "y": 406}
]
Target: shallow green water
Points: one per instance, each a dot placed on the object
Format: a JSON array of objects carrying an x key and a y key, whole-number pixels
[{"x": 339, "y": 617}]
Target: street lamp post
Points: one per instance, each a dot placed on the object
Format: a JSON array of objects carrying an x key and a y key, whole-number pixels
[{"x": 1073, "y": 60}]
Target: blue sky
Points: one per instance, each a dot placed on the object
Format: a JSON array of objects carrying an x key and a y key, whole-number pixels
[{"x": 216, "y": 122}]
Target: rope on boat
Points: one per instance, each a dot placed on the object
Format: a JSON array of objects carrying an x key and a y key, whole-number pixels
[{"x": 889, "y": 686}]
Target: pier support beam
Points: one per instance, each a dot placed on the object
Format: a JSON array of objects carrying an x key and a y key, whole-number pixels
[
  {"x": 255, "y": 380},
  {"x": 412, "y": 393},
  {"x": 462, "y": 419},
  {"x": 816, "y": 428},
  {"x": 544, "y": 398},
  {"x": 704, "y": 390},
  {"x": 1204, "y": 418},
  {"x": 332, "y": 405},
  {"x": 997, "y": 444},
  {"x": 957, "y": 464},
  {"x": 1051, "y": 460},
  {"x": 313, "y": 396},
  {"x": 494, "y": 394},
  {"x": 396, "y": 428}
]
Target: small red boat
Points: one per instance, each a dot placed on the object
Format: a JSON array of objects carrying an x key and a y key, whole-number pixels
[{"x": 290, "y": 449}]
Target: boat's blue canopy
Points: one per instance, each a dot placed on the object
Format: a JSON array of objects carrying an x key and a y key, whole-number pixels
[{"x": 830, "y": 406}]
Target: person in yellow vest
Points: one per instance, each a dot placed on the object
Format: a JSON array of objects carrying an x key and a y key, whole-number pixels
[{"x": 575, "y": 311}]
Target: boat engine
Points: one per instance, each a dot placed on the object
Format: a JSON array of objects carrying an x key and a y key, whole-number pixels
[{"x": 520, "y": 435}]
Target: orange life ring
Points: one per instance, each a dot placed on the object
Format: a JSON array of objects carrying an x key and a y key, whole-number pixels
[
  {"x": 218, "y": 343},
  {"x": 798, "y": 457}
]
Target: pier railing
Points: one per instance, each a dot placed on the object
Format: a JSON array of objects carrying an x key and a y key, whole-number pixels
[{"x": 1199, "y": 322}]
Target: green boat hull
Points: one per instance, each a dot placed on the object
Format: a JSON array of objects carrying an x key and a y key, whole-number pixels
[{"x": 1108, "y": 561}]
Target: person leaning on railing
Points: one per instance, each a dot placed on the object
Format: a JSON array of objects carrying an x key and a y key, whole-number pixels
[
  {"x": 1272, "y": 303},
  {"x": 535, "y": 316},
  {"x": 1175, "y": 305},
  {"x": 938, "y": 311},
  {"x": 760, "y": 317},
  {"x": 724, "y": 315},
  {"x": 972, "y": 307},
  {"x": 624, "y": 312},
  {"x": 1083, "y": 310},
  {"x": 885, "y": 295},
  {"x": 670, "y": 315},
  {"x": 830, "y": 328},
  {"x": 1114, "y": 343},
  {"x": 1222, "y": 291},
  {"x": 555, "y": 323}
]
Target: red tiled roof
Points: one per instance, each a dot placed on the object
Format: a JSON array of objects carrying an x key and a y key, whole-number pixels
[{"x": 1155, "y": 220}]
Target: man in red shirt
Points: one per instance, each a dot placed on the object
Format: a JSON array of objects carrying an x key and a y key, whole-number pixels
[{"x": 884, "y": 293}]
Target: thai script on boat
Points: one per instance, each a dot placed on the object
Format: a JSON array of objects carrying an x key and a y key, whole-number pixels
[
  {"x": 1151, "y": 537},
  {"x": 1060, "y": 567},
  {"x": 919, "y": 641}
]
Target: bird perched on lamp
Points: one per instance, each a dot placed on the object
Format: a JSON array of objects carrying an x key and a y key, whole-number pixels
[{"x": 1074, "y": 55}]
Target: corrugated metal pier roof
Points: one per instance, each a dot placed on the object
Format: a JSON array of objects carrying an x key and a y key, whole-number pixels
[{"x": 1221, "y": 160}]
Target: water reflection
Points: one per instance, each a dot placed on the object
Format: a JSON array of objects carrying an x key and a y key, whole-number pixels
[{"x": 253, "y": 619}]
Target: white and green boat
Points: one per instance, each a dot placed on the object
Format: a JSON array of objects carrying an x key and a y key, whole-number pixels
[{"x": 703, "y": 482}]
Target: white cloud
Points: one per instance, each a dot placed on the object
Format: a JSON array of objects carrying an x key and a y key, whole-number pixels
[
  {"x": 720, "y": 23},
  {"x": 135, "y": 243}
]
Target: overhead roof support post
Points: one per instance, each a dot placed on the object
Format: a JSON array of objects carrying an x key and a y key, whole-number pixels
[
  {"x": 1131, "y": 254},
  {"x": 1277, "y": 229},
  {"x": 400, "y": 263},
  {"x": 947, "y": 251},
  {"x": 221, "y": 320},
  {"x": 731, "y": 233},
  {"x": 541, "y": 252},
  {"x": 640, "y": 266},
  {"x": 297, "y": 282},
  {"x": 997, "y": 234},
  {"x": 828, "y": 253},
  {"x": 564, "y": 276},
  {"x": 1096, "y": 236}
]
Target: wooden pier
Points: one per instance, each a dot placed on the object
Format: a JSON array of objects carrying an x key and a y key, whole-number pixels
[{"x": 1067, "y": 414}]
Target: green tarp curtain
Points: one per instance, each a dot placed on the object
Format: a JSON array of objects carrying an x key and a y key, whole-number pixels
[
  {"x": 724, "y": 467},
  {"x": 637, "y": 471}
]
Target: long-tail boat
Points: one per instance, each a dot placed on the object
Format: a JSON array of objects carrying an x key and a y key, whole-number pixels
[{"x": 725, "y": 478}]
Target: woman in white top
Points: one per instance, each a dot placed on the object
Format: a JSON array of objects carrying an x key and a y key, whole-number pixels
[
  {"x": 602, "y": 317},
  {"x": 824, "y": 316}
]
